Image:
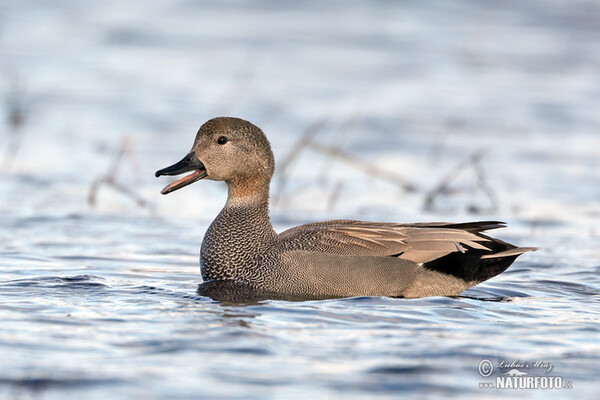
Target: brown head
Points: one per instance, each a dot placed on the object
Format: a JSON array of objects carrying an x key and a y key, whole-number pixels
[{"x": 226, "y": 149}]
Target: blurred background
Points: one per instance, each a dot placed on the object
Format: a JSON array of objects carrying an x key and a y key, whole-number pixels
[
  {"x": 410, "y": 90},
  {"x": 376, "y": 110}
]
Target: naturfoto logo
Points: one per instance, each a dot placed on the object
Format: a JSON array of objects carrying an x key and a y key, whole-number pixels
[{"x": 519, "y": 374}]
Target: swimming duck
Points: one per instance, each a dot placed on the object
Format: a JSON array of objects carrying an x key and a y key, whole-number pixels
[{"x": 337, "y": 258}]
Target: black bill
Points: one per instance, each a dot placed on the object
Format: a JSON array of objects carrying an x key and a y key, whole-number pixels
[{"x": 189, "y": 163}]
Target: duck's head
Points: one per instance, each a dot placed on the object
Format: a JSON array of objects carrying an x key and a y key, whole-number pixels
[{"x": 225, "y": 149}]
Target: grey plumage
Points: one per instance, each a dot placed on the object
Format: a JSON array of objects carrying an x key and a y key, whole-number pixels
[{"x": 325, "y": 259}]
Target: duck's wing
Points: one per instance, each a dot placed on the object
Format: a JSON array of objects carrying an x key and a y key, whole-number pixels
[{"x": 420, "y": 243}]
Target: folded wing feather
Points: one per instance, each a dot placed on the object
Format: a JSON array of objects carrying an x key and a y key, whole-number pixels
[{"x": 416, "y": 242}]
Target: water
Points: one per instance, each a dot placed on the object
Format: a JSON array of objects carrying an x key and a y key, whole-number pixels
[{"x": 100, "y": 302}]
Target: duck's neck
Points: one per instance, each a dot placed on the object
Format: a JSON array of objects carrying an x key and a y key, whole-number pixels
[
  {"x": 248, "y": 194},
  {"x": 239, "y": 235}
]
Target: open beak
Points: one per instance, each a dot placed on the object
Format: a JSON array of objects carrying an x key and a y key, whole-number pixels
[{"x": 188, "y": 163}]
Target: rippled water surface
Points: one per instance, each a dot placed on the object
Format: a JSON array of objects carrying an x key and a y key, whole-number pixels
[{"x": 98, "y": 278}]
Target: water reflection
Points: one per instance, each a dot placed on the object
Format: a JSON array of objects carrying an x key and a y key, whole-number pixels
[{"x": 235, "y": 293}]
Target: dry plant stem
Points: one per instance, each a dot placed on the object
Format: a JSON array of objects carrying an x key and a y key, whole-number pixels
[
  {"x": 109, "y": 178},
  {"x": 342, "y": 132},
  {"x": 369, "y": 169},
  {"x": 15, "y": 119},
  {"x": 284, "y": 168},
  {"x": 333, "y": 153},
  {"x": 445, "y": 181},
  {"x": 482, "y": 184},
  {"x": 299, "y": 146},
  {"x": 473, "y": 161},
  {"x": 334, "y": 195}
]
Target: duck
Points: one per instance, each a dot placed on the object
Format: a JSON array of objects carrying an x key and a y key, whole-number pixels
[{"x": 241, "y": 251}]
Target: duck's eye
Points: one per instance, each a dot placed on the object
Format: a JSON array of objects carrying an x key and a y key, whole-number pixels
[{"x": 222, "y": 140}]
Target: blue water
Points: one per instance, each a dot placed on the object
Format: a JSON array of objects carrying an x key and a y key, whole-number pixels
[{"x": 99, "y": 300}]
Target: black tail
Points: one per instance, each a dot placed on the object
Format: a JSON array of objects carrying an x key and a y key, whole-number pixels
[{"x": 471, "y": 267}]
